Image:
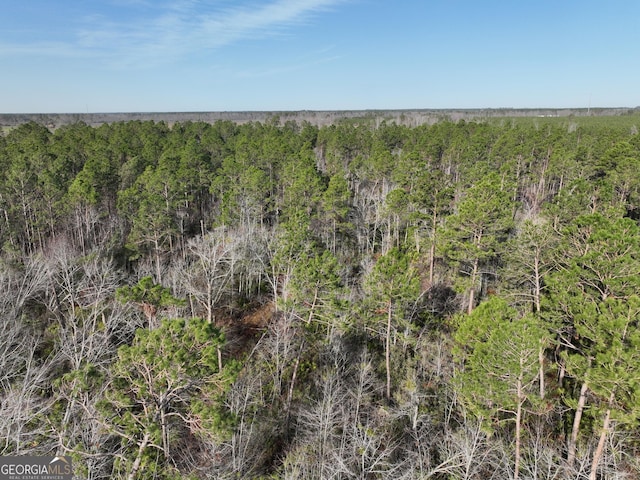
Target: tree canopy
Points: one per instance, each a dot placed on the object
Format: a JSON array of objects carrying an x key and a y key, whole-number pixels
[{"x": 359, "y": 300}]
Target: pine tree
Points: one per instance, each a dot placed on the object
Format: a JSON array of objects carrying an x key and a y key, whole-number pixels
[
  {"x": 164, "y": 387},
  {"x": 593, "y": 303},
  {"x": 476, "y": 231},
  {"x": 499, "y": 352},
  {"x": 149, "y": 296},
  {"x": 391, "y": 287}
]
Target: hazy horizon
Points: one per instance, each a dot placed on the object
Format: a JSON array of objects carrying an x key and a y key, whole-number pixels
[{"x": 306, "y": 110}]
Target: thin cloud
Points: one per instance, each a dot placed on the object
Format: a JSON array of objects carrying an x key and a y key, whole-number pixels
[
  {"x": 179, "y": 28},
  {"x": 43, "y": 49},
  {"x": 279, "y": 70}
]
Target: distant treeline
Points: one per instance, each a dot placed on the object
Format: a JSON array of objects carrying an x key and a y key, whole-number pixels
[{"x": 410, "y": 117}]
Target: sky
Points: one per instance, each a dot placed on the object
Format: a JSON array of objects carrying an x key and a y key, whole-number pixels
[{"x": 86, "y": 56}]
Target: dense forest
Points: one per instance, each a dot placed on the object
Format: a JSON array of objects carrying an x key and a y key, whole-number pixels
[{"x": 280, "y": 300}]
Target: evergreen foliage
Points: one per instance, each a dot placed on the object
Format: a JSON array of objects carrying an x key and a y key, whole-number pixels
[{"x": 361, "y": 300}]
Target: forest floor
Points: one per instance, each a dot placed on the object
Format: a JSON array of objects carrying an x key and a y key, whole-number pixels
[{"x": 243, "y": 329}]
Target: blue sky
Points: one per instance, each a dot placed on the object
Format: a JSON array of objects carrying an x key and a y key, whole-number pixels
[{"x": 212, "y": 55}]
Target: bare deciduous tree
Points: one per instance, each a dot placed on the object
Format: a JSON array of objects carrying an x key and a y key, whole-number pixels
[
  {"x": 472, "y": 454},
  {"x": 210, "y": 268}
]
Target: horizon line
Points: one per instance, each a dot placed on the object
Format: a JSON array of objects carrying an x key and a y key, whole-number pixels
[{"x": 307, "y": 110}]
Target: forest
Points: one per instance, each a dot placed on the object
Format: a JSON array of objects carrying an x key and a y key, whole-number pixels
[{"x": 278, "y": 300}]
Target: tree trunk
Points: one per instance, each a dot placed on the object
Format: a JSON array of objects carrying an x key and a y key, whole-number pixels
[
  {"x": 333, "y": 243},
  {"x": 138, "y": 460},
  {"x": 541, "y": 369},
  {"x": 165, "y": 429},
  {"x": 432, "y": 249},
  {"x": 294, "y": 376},
  {"x": 573, "y": 440},
  {"x": 538, "y": 285},
  {"x": 387, "y": 348},
  {"x": 156, "y": 245},
  {"x": 516, "y": 463},
  {"x": 432, "y": 256},
  {"x": 472, "y": 289},
  {"x": 603, "y": 437},
  {"x": 209, "y": 305}
]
